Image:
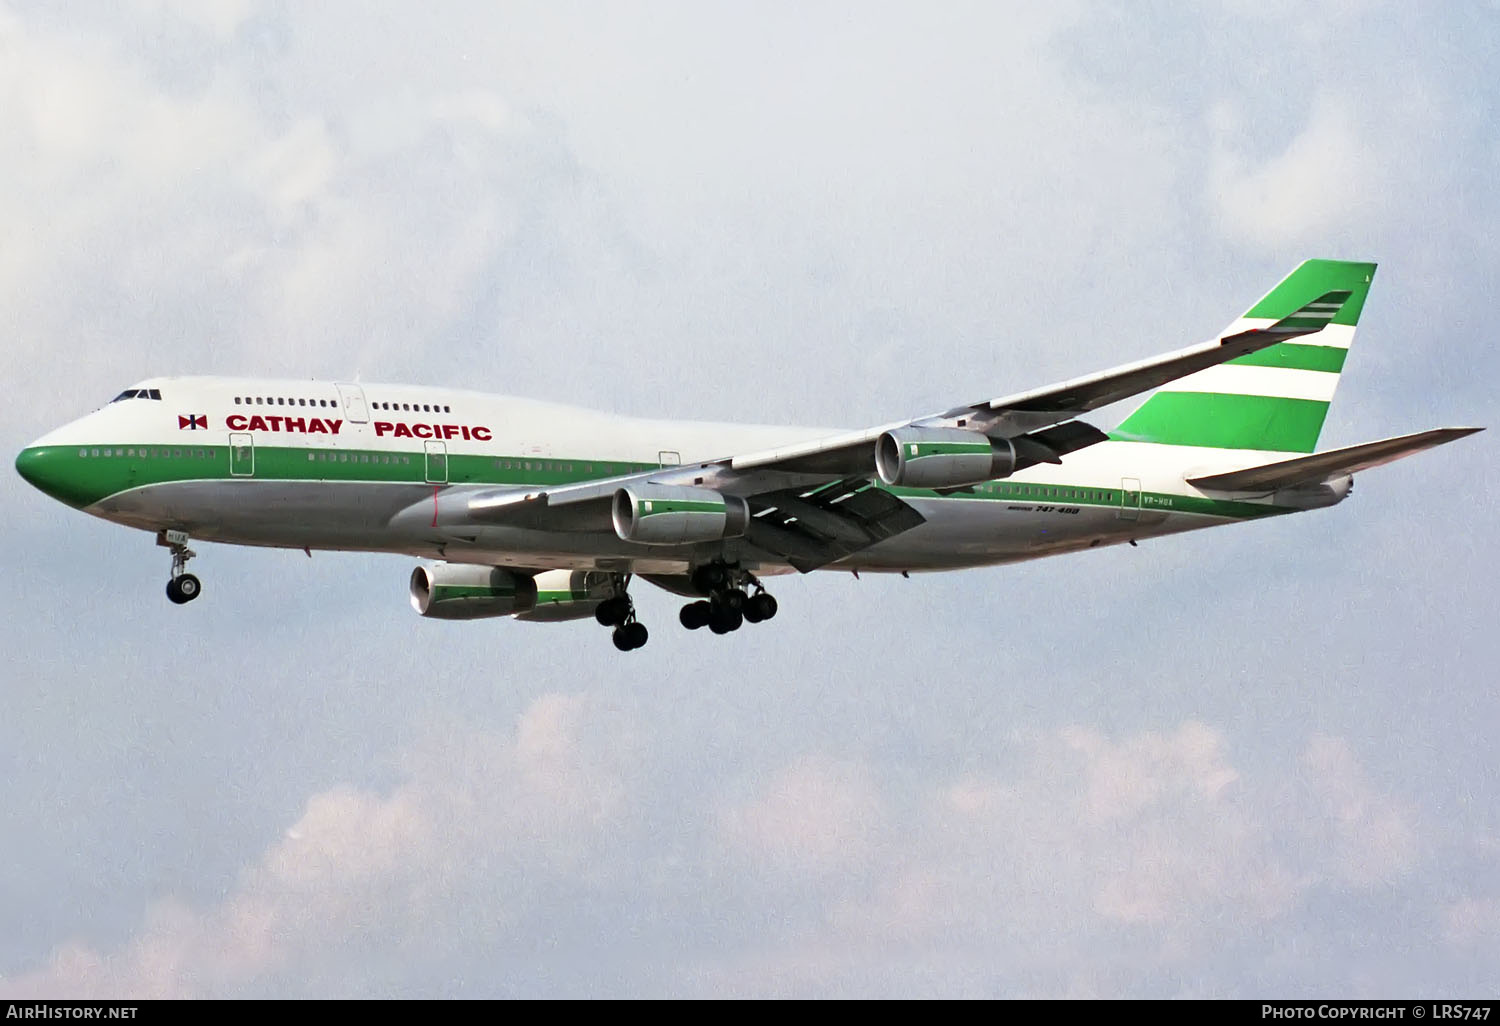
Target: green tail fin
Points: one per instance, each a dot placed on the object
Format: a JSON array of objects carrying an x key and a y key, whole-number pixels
[{"x": 1275, "y": 399}]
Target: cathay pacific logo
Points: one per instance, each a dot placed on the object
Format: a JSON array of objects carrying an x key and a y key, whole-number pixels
[{"x": 192, "y": 422}]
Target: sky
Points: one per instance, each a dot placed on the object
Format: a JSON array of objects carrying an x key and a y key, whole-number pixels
[{"x": 1238, "y": 763}]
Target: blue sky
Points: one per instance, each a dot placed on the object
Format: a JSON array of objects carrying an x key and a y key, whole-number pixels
[{"x": 1254, "y": 761}]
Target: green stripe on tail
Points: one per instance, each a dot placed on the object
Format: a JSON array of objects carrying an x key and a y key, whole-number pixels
[{"x": 1229, "y": 409}]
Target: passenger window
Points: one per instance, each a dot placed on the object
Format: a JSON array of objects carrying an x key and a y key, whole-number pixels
[{"x": 236, "y": 400}]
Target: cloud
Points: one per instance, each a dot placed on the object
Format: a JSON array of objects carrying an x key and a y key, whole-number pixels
[
  {"x": 814, "y": 816},
  {"x": 1153, "y": 841},
  {"x": 1473, "y": 923},
  {"x": 1372, "y": 839},
  {"x": 1101, "y": 859},
  {"x": 359, "y": 863},
  {"x": 1325, "y": 179}
]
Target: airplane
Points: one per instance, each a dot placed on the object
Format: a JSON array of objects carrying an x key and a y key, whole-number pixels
[{"x": 544, "y": 512}]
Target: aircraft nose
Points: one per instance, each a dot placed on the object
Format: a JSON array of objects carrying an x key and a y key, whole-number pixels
[{"x": 49, "y": 469}]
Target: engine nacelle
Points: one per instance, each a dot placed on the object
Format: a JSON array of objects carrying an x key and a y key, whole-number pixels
[
  {"x": 912, "y": 457},
  {"x": 461, "y": 591},
  {"x": 670, "y": 515},
  {"x": 569, "y": 595}
]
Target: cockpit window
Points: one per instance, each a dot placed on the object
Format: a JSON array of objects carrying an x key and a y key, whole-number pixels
[{"x": 138, "y": 393}]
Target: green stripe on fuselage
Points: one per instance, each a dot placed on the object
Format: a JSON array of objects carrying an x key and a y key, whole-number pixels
[
  {"x": 82, "y": 481},
  {"x": 82, "y": 475}
]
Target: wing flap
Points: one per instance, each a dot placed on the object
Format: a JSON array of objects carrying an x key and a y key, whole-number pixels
[
  {"x": 1322, "y": 466},
  {"x": 812, "y": 528}
]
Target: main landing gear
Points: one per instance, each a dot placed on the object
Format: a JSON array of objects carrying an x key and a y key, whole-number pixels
[
  {"x": 183, "y": 587},
  {"x": 728, "y": 606},
  {"x": 619, "y": 613}
]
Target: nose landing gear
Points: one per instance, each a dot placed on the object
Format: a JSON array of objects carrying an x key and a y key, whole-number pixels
[{"x": 182, "y": 587}]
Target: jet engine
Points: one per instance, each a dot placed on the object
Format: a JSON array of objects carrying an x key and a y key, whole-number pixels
[
  {"x": 461, "y": 591},
  {"x": 672, "y": 515},
  {"x": 912, "y": 457},
  {"x": 569, "y": 595}
]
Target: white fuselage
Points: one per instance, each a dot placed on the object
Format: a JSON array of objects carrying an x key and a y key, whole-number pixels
[{"x": 359, "y": 467}]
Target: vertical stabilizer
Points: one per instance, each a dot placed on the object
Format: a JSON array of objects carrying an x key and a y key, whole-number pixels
[{"x": 1275, "y": 399}]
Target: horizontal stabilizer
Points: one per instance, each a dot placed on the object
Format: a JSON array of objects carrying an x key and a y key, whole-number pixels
[{"x": 1323, "y": 466}]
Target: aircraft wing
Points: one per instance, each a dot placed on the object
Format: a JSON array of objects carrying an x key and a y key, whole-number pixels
[
  {"x": 816, "y": 502},
  {"x": 1022, "y": 412}
]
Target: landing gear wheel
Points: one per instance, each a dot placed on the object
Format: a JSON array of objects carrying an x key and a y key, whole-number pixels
[
  {"x": 760, "y": 607},
  {"x": 710, "y": 577},
  {"x": 695, "y": 615},
  {"x": 184, "y": 588},
  {"x": 734, "y": 599},
  {"x": 724, "y": 620},
  {"x": 181, "y": 585},
  {"x": 613, "y": 612},
  {"x": 631, "y": 636}
]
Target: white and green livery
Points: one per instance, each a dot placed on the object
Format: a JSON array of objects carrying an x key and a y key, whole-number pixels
[{"x": 548, "y": 512}]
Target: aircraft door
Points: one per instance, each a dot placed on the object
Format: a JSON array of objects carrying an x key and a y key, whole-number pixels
[
  {"x": 241, "y": 455},
  {"x": 668, "y": 458},
  {"x": 437, "y": 462},
  {"x": 356, "y": 410},
  {"x": 1130, "y": 498}
]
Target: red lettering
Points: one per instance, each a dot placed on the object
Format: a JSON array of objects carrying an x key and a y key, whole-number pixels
[
  {"x": 235, "y": 422},
  {"x": 450, "y": 430},
  {"x": 257, "y": 423},
  {"x": 421, "y": 431},
  {"x": 481, "y": 434},
  {"x": 315, "y": 427},
  {"x": 333, "y": 426},
  {"x": 275, "y": 422},
  {"x": 402, "y": 431},
  {"x": 466, "y": 432},
  {"x": 296, "y": 424},
  {"x": 381, "y": 427}
]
